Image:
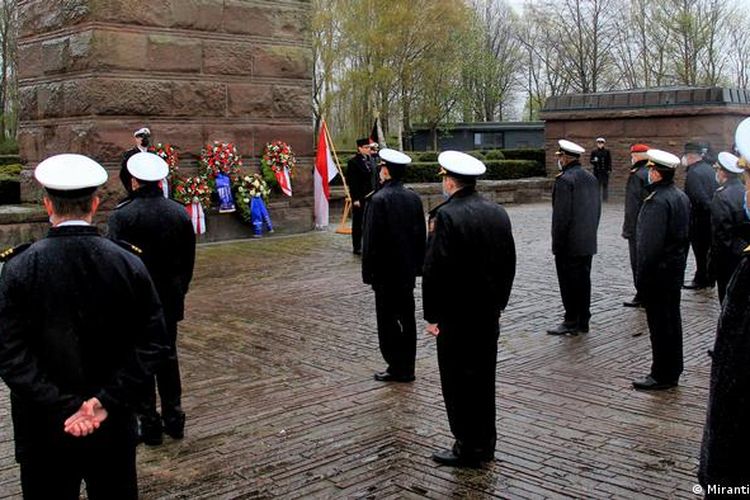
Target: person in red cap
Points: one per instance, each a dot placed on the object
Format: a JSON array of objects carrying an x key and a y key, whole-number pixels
[{"x": 635, "y": 192}]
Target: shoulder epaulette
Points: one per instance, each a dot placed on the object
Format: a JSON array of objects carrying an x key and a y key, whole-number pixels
[
  {"x": 11, "y": 252},
  {"x": 721, "y": 188},
  {"x": 129, "y": 247},
  {"x": 650, "y": 196},
  {"x": 434, "y": 210},
  {"x": 124, "y": 203},
  {"x": 558, "y": 175},
  {"x": 747, "y": 249},
  {"x": 370, "y": 194}
]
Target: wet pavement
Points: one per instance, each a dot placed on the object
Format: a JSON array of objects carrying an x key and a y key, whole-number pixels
[{"x": 278, "y": 350}]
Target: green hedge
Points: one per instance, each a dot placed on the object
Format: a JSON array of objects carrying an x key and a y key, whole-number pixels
[
  {"x": 10, "y": 172},
  {"x": 531, "y": 154},
  {"x": 496, "y": 170},
  {"x": 495, "y": 154}
]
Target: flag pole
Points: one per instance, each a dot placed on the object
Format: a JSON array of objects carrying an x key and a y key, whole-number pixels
[{"x": 342, "y": 229}]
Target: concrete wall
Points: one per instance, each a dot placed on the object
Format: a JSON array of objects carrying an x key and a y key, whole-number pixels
[{"x": 194, "y": 71}]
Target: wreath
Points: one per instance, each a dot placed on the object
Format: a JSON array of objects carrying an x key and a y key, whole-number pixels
[
  {"x": 220, "y": 158},
  {"x": 193, "y": 189},
  {"x": 277, "y": 156},
  {"x": 250, "y": 186}
]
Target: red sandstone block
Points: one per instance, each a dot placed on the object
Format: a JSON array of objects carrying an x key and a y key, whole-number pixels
[
  {"x": 42, "y": 16},
  {"x": 28, "y": 103},
  {"x": 292, "y": 23},
  {"x": 299, "y": 137},
  {"x": 228, "y": 58},
  {"x": 174, "y": 53},
  {"x": 55, "y": 55},
  {"x": 255, "y": 100},
  {"x": 256, "y": 20},
  {"x": 30, "y": 60},
  {"x": 292, "y": 102},
  {"x": 120, "y": 50},
  {"x": 285, "y": 62},
  {"x": 203, "y": 98},
  {"x": 50, "y": 98}
]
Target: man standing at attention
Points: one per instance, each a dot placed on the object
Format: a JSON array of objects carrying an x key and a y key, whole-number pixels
[
  {"x": 142, "y": 139},
  {"x": 662, "y": 255},
  {"x": 700, "y": 186},
  {"x": 469, "y": 268},
  {"x": 393, "y": 254},
  {"x": 635, "y": 192},
  {"x": 162, "y": 229},
  {"x": 81, "y": 328},
  {"x": 361, "y": 176},
  {"x": 601, "y": 161},
  {"x": 576, "y": 207}
]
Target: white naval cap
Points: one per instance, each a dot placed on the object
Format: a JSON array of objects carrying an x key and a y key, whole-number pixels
[
  {"x": 600, "y": 139},
  {"x": 728, "y": 162},
  {"x": 458, "y": 163},
  {"x": 662, "y": 159},
  {"x": 147, "y": 167},
  {"x": 392, "y": 156},
  {"x": 70, "y": 172},
  {"x": 569, "y": 147},
  {"x": 742, "y": 138},
  {"x": 142, "y": 131}
]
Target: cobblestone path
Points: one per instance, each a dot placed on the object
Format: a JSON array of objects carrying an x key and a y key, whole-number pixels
[{"x": 278, "y": 350}]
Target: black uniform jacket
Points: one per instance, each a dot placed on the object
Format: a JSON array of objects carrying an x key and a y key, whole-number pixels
[
  {"x": 700, "y": 186},
  {"x": 576, "y": 208},
  {"x": 162, "y": 229},
  {"x": 79, "y": 318},
  {"x": 727, "y": 221},
  {"x": 360, "y": 175},
  {"x": 601, "y": 161},
  {"x": 726, "y": 435},
  {"x": 470, "y": 261},
  {"x": 125, "y": 176},
  {"x": 394, "y": 237},
  {"x": 662, "y": 239},
  {"x": 635, "y": 192}
]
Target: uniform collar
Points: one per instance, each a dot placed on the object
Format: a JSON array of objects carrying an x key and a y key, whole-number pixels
[
  {"x": 72, "y": 231},
  {"x": 148, "y": 192},
  {"x": 73, "y": 223},
  {"x": 573, "y": 164}
]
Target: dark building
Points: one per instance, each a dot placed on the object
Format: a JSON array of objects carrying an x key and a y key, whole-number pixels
[{"x": 489, "y": 135}]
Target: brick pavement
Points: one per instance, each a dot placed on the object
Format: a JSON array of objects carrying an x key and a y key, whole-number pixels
[{"x": 278, "y": 351}]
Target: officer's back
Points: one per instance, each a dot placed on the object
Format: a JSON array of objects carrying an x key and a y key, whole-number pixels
[{"x": 577, "y": 208}]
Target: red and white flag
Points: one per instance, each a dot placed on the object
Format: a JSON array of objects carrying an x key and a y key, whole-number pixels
[
  {"x": 325, "y": 171},
  {"x": 197, "y": 217},
  {"x": 285, "y": 182}
]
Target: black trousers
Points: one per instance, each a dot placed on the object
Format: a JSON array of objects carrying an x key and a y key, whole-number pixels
[
  {"x": 633, "y": 260},
  {"x": 467, "y": 357},
  {"x": 357, "y": 220},
  {"x": 167, "y": 379},
  {"x": 724, "y": 269},
  {"x": 603, "y": 186},
  {"x": 397, "y": 328},
  {"x": 574, "y": 278},
  {"x": 105, "y": 461},
  {"x": 700, "y": 241},
  {"x": 665, "y": 328}
]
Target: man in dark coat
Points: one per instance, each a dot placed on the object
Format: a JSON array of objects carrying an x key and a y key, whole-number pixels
[
  {"x": 635, "y": 192},
  {"x": 662, "y": 236},
  {"x": 726, "y": 436},
  {"x": 162, "y": 229},
  {"x": 576, "y": 207},
  {"x": 727, "y": 221},
  {"x": 142, "y": 138},
  {"x": 468, "y": 274},
  {"x": 601, "y": 161},
  {"x": 392, "y": 258},
  {"x": 361, "y": 175},
  {"x": 700, "y": 186},
  {"x": 80, "y": 328}
]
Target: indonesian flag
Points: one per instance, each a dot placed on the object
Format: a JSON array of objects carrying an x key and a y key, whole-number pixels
[
  {"x": 285, "y": 183},
  {"x": 325, "y": 171},
  {"x": 197, "y": 217}
]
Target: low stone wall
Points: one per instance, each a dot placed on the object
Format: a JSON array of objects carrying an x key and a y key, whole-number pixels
[{"x": 506, "y": 192}]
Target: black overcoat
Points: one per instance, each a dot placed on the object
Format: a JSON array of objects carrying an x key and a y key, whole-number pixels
[
  {"x": 601, "y": 161},
  {"x": 79, "y": 318},
  {"x": 662, "y": 239},
  {"x": 394, "y": 237},
  {"x": 162, "y": 229},
  {"x": 635, "y": 192},
  {"x": 700, "y": 186},
  {"x": 125, "y": 176},
  {"x": 470, "y": 261},
  {"x": 727, "y": 218},
  {"x": 576, "y": 208},
  {"x": 360, "y": 176}
]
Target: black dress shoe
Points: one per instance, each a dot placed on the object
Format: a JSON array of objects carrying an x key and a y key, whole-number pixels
[
  {"x": 357, "y": 251},
  {"x": 149, "y": 430},
  {"x": 696, "y": 285},
  {"x": 649, "y": 384},
  {"x": 564, "y": 328},
  {"x": 389, "y": 377},
  {"x": 447, "y": 457},
  {"x": 174, "y": 425}
]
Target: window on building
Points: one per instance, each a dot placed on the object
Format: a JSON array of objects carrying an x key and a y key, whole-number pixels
[{"x": 488, "y": 139}]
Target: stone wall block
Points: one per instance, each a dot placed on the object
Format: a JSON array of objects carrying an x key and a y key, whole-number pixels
[
  {"x": 291, "y": 102},
  {"x": 81, "y": 48},
  {"x": 206, "y": 98},
  {"x": 171, "y": 53},
  {"x": 283, "y": 62},
  {"x": 31, "y": 57},
  {"x": 119, "y": 50},
  {"x": 292, "y": 23},
  {"x": 228, "y": 58},
  {"x": 299, "y": 137},
  {"x": 253, "y": 100},
  {"x": 51, "y": 100},
  {"x": 42, "y": 17},
  {"x": 239, "y": 17},
  {"x": 29, "y": 107},
  {"x": 55, "y": 55}
]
